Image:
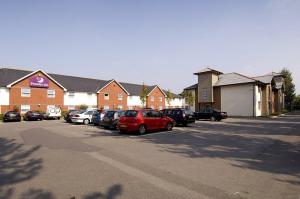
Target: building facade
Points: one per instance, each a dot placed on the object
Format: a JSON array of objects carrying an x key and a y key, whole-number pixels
[
  {"x": 238, "y": 94},
  {"x": 37, "y": 90}
]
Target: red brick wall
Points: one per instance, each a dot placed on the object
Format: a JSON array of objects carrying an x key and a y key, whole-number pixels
[
  {"x": 37, "y": 95},
  {"x": 156, "y": 93},
  {"x": 113, "y": 89}
]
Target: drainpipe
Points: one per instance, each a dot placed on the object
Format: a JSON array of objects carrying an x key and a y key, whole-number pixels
[{"x": 254, "y": 101}]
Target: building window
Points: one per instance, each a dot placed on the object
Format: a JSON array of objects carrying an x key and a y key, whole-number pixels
[
  {"x": 106, "y": 107},
  {"x": 106, "y": 96},
  {"x": 152, "y": 107},
  {"x": 51, "y": 93},
  {"x": 25, "y": 108},
  {"x": 71, "y": 94},
  {"x": 71, "y": 107},
  {"x": 160, "y": 99},
  {"x": 259, "y": 105},
  {"x": 120, "y": 96},
  {"x": 25, "y": 92},
  {"x": 120, "y": 107},
  {"x": 152, "y": 98},
  {"x": 204, "y": 94},
  {"x": 160, "y": 107}
]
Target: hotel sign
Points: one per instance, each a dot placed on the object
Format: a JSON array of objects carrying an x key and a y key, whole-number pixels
[{"x": 39, "y": 82}]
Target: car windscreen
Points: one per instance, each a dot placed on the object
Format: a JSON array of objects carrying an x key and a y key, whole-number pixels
[{"x": 131, "y": 113}]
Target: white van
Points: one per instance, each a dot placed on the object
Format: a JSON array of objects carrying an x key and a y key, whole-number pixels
[{"x": 53, "y": 112}]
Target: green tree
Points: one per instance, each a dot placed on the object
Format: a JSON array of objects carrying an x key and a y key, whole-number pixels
[
  {"x": 169, "y": 97},
  {"x": 296, "y": 102},
  {"x": 289, "y": 87},
  {"x": 143, "y": 95},
  {"x": 189, "y": 97}
]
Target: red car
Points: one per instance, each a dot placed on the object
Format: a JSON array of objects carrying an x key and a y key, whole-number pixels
[{"x": 142, "y": 121}]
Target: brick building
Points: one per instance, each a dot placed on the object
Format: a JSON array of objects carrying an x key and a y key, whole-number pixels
[{"x": 36, "y": 90}]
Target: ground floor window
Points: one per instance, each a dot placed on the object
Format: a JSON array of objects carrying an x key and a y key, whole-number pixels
[
  {"x": 71, "y": 107},
  {"x": 106, "y": 107},
  {"x": 25, "y": 108},
  {"x": 120, "y": 107}
]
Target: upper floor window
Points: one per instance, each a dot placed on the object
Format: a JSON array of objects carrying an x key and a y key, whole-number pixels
[
  {"x": 106, "y": 96},
  {"x": 204, "y": 94},
  {"x": 160, "y": 99},
  {"x": 51, "y": 93},
  {"x": 25, "y": 92},
  {"x": 120, "y": 96},
  {"x": 152, "y": 98},
  {"x": 71, "y": 94}
]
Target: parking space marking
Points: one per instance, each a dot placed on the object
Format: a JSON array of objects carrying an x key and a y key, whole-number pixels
[{"x": 154, "y": 180}]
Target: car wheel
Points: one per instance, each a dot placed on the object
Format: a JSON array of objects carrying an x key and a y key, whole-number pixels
[
  {"x": 169, "y": 126},
  {"x": 212, "y": 118},
  {"x": 86, "y": 121},
  {"x": 142, "y": 129}
]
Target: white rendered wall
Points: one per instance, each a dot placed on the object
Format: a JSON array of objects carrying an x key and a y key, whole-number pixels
[
  {"x": 80, "y": 98},
  {"x": 237, "y": 100},
  {"x": 4, "y": 96},
  {"x": 134, "y": 101},
  {"x": 258, "y": 98},
  {"x": 176, "y": 102}
]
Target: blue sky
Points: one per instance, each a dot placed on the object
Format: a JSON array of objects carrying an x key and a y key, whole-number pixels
[{"x": 156, "y": 42}]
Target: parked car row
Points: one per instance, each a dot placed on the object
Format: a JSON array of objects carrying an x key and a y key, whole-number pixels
[{"x": 15, "y": 116}]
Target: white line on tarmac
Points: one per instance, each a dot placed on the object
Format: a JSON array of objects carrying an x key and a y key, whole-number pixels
[{"x": 155, "y": 181}]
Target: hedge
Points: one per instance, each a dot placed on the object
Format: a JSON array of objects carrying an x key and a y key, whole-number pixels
[{"x": 1, "y": 116}]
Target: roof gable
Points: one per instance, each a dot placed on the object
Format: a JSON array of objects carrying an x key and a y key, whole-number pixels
[
  {"x": 152, "y": 88},
  {"x": 32, "y": 73},
  {"x": 109, "y": 82}
]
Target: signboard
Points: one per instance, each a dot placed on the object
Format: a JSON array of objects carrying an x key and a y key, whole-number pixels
[{"x": 39, "y": 82}]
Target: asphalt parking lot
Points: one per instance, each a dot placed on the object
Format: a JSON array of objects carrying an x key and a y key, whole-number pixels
[{"x": 236, "y": 158}]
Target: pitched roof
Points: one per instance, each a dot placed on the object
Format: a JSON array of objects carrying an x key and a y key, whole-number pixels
[
  {"x": 192, "y": 87},
  {"x": 267, "y": 79},
  {"x": 233, "y": 78},
  {"x": 71, "y": 83},
  {"x": 206, "y": 70}
]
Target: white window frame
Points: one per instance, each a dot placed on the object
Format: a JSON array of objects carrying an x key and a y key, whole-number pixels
[
  {"x": 152, "y": 98},
  {"x": 160, "y": 99},
  {"x": 51, "y": 95},
  {"x": 106, "y": 107},
  {"x": 106, "y": 96},
  {"x": 120, "y": 107},
  {"x": 160, "y": 108},
  {"x": 25, "y": 94},
  {"x": 120, "y": 96},
  {"x": 24, "y": 108}
]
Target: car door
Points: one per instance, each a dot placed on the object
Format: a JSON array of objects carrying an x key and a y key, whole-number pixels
[
  {"x": 148, "y": 119},
  {"x": 158, "y": 121}
]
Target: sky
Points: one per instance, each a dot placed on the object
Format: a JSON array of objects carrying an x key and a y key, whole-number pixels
[{"x": 157, "y": 42}]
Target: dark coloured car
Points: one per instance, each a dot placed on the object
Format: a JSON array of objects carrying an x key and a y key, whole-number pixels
[
  {"x": 142, "y": 121},
  {"x": 212, "y": 114},
  {"x": 111, "y": 119},
  {"x": 182, "y": 116},
  {"x": 33, "y": 116},
  {"x": 69, "y": 114},
  {"x": 96, "y": 118},
  {"x": 12, "y": 116}
]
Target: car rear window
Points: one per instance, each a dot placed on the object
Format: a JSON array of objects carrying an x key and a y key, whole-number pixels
[
  {"x": 110, "y": 114},
  {"x": 131, "y": 113},
  {"x": 188, "y": 112}
]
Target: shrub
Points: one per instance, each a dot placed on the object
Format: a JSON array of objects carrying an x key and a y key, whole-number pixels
[
  {"x": 1, "y": 117},
  {"x": 83, "y": 107},
  {"x": 16, "y": 108},
  {"x": 64, "y": 113}
]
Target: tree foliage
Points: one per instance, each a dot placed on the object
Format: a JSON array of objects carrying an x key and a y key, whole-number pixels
[
  {"x": 296, "y": 102},
  {"x": 143, "y": 95},
  {"x": 83, "y": 107},
  {"x": 289, "y": 86},
  {"x": 189, "y": 97},
  {"x": 169, "y": 97}
]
